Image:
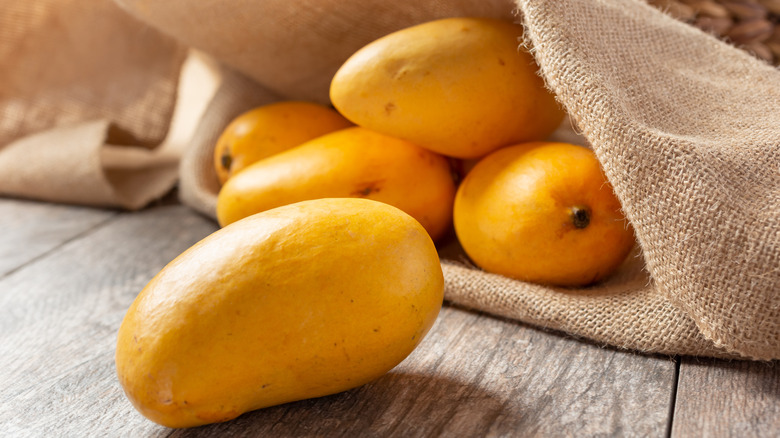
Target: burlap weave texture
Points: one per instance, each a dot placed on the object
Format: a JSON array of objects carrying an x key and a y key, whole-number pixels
[{"x": 688, "y": 132}]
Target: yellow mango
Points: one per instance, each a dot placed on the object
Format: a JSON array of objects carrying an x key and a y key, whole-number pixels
[
  {"x": 542, "y": 212},
  {"x": 302, "y": 301},
  {"x": 353, "y": 162},
  {"x": 461, "y": 87},
  {"x": 270, "y": 129}
]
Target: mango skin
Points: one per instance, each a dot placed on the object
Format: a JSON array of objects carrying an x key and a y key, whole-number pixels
[
  {"x": 353, "y": 162},
  {"x": 461, "y": 87},
  {"x": 301, "y": 301}
]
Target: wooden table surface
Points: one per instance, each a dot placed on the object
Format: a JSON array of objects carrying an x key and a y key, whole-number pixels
[{"x": 68, "y": 274}]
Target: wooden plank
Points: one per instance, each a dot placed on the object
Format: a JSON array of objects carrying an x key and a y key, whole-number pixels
[
  {"x": 727, "y": 398},
  {"x": 31, "y": 229},
  {"x": 473, "y": 375}
]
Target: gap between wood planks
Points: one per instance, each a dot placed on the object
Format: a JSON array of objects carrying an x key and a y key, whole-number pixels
[{"x": 673, "y": 396}]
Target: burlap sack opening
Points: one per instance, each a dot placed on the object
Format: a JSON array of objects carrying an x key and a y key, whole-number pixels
[{"x": 686, "y": 127}]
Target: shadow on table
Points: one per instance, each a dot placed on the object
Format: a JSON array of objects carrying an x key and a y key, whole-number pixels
[{"x": 397, "y": 404}]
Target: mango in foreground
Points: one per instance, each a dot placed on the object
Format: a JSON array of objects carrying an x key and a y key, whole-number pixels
[{"x": 301, "y": 301}]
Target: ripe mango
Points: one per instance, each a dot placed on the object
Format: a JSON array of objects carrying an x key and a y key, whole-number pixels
[
  {"x": 353, "y": 162},
  {"x": 461, "y": 87},
  {"x": 270, "y": 129},
  {"x": 542, "y": 212},
  {"x": 301, "y": 301}
]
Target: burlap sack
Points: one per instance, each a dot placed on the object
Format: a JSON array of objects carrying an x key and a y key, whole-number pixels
[{"x": 686, "y": 127}]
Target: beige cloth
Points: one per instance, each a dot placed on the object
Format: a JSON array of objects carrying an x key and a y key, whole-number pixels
[
  {"x": 86, "y": 93},
  {"x": 686, "y": 127}
]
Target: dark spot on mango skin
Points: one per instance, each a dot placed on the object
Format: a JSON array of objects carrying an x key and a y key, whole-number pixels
[
  {"x": 501, "y": 62},
  {"x": 226, "y": 160},
  {"x": 389, "y": 108},
  {"x": 580, "y": 217},
  {"x": 366, "y": 189}
]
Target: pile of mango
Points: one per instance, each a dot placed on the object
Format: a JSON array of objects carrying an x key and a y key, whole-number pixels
[
  {"x": 450, "y": 89},
  {"x": 325, "y": 274}
]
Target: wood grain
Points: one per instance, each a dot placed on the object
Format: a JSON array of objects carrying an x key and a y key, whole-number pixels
[
  {"x": 31, "y": 229},
  {"x": 727, "y": 398},
  {"x": 473, "y": 375}
]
